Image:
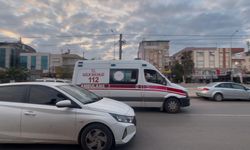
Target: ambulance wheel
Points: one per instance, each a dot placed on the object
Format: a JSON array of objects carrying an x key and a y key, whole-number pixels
[{"x": 172, "y": 105}]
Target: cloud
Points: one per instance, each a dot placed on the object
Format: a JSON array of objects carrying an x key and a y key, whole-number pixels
[
  {"x": 9, "y": 34},
  {"x": 58, "y": 25}
]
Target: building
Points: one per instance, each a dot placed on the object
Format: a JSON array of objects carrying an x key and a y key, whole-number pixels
[
  {"x": 46, "y": 64},
  {"x": 35, "y": 61},
  {"x": 56, "y": 60},
  {"x": 210, "y": 62},
  {"x": 241, "y": 62},
  {"x": 155, "y": 52},
  {"x": 64, "y": 64},
  {"x": 10, "y": 52}
]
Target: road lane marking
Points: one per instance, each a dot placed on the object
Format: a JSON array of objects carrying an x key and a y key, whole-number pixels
[{"x": 220, "y": 115}]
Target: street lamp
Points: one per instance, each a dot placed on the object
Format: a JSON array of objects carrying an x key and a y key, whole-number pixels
[{"x": 114, "y": 41}]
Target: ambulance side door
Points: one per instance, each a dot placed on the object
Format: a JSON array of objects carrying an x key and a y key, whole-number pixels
[{"x": 124, "y": 86}]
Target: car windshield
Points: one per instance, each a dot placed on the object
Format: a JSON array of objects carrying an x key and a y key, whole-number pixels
[{"x": 80, "y": 94}]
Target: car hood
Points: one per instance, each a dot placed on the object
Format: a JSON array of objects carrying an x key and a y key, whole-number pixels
[
  {"x": 111, "y": 106},
  {"x": 178, "y": 87}
]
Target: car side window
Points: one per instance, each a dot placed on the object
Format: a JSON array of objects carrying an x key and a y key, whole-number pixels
[
  {"x": 45, "y": 95},
  {"x": 123, "y": 76},
  {"x": 236, "y": 86},
  {"x": 224, "y": 85},
  {"x": 15, "y": 93},
  {"x": 153, "y": 76}
]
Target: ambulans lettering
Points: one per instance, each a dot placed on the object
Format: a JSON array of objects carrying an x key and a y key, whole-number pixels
[
  {"x": 93, "y": 76},
  {"x": 93, "y": 79},
  {"x": 93, "y": 73}
]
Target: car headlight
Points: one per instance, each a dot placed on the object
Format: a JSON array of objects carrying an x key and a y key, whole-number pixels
[{"x": 121, "y": 118}]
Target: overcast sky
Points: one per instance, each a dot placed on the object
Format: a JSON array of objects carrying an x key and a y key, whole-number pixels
[{"x": 87, "y": 25}]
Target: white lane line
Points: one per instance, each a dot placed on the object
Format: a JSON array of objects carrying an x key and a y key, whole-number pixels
[{"x": 220, "y": 115}]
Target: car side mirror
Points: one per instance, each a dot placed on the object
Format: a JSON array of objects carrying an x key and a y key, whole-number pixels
[{"x": 64, "y": 103}]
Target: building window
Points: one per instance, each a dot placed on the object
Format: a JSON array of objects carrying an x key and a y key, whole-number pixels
[
  {"x": 33, "y": 63},
  {"x": 200, "y": 59},
  {"x": 211, "y": 59},
  {"x": 2, "y": 57},
  {"x": 221, "y": 57},
  {"x": 14, "y": 58},
  {"x": 23, "y": 61},
  {"x": 44, "y": 62}
]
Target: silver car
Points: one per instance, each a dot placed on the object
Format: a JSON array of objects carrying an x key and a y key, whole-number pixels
[{"x": 224, "y": 90}]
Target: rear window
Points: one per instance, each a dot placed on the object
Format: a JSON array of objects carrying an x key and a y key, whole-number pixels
[
  {"x": 13, "y": 93},
  {"x": 211, "y": 84}
]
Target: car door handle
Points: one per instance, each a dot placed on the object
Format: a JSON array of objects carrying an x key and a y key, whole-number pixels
[{"x": 29, "y": 113}]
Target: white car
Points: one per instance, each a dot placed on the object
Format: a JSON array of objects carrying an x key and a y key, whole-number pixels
[
  {"x": 50, "y": 112},
  {"x": 53, "y": 80}
]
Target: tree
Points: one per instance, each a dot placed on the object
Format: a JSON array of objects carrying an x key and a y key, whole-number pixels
[
  {"x": 188, "y": 64},
  {"x": 17, "y": 74},
  {"x": 177, "y": 72},
  {"x": 64, "y": 72}
]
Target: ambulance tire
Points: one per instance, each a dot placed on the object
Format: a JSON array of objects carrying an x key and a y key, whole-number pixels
[{"x": 172, "y": 105}]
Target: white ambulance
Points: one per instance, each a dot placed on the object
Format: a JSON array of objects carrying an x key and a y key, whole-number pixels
[{"x": 135, "y": 82}]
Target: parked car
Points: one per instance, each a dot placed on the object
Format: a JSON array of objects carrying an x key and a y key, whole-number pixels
[
  {"x": 50, "y": 112},
  {"x": 135, "y": 82},
  {"x": 219, "y": 91}
]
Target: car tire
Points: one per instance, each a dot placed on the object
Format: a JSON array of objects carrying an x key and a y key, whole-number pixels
[
  {"x": 96, "y": 137},
  {"x": 218, "y": 97},
  {"x": 172, "y": 105}
]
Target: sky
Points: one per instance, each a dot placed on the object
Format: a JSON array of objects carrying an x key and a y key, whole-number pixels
[{"x": 92, "y": 27}]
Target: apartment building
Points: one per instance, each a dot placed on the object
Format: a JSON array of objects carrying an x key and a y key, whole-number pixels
[
  {"x": 155, "y": 52},
  {"x": 210, "y": 62},
  {"x": 241, "y": 62}
]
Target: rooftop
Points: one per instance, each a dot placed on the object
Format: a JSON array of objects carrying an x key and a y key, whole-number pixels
[{"x": 23, "y": 47}]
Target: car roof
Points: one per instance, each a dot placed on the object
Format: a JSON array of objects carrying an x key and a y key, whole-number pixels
[
  {"x": 216, "y": 83},
  {"x": 36, "y": 83}
]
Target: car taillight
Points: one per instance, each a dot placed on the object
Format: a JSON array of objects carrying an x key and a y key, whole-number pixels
[{"x": 205, "y": 89}]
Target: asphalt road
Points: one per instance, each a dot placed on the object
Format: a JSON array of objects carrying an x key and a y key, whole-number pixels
[{"x": 205, "y": 125}]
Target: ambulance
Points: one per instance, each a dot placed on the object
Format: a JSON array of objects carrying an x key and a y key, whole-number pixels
[{"x": 135, "y": 82}]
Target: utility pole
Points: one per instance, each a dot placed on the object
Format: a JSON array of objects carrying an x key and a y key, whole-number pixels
[
  {"x": 114, "y": 41},
  {"x": 120, "y": 47}
]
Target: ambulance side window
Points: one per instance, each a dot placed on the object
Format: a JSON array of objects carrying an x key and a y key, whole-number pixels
[
  {"x": 123, "y": 76},
  {"x": 153, "y": 76}
]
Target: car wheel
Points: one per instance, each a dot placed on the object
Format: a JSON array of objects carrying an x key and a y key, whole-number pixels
[
  {"x": 172, "y": 105},
  {"x": 96, "y": 137},
  {"x": 218, "y": 97}
]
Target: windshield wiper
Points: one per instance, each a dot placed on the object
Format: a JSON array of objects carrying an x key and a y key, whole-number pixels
[
  {"x": 97, "y": 98},
  {"x": 88, "y": 102},
  {"x": 94, "y": 100}
]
